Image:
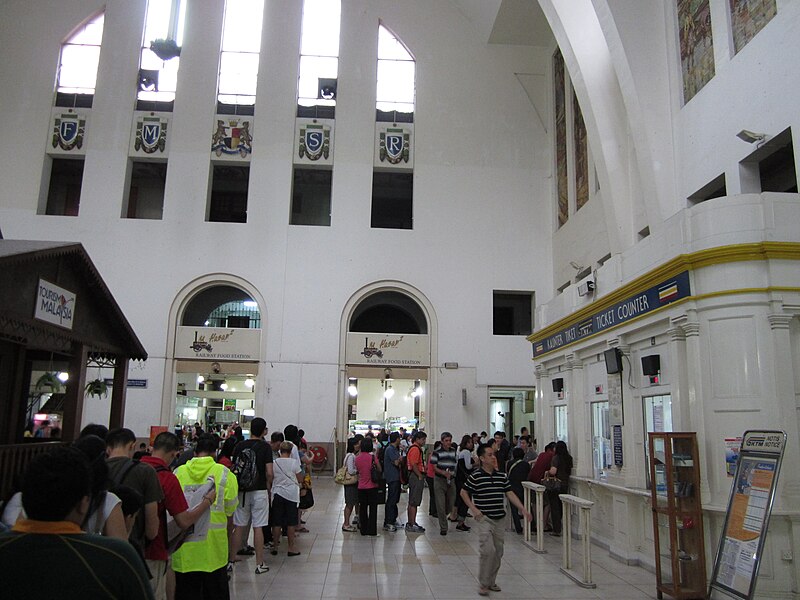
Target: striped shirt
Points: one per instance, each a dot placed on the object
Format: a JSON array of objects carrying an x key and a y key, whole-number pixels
[
  {"x": 445, "y": 459},
  {"x": 488, "y": 491}
]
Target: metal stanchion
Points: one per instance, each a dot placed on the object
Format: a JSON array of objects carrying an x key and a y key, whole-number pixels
[
  {"x": 584, "y": 507},
  {"x": 539, "y": 489}
]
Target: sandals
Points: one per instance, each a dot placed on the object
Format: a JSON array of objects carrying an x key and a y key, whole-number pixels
[
  {"x": 348, "y": 528},
  {"x": 495, "y": 588},
  {"x": 301, "y": 530}
]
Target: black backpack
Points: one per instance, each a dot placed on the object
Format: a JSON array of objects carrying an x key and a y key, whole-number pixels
[{"x": 245, "y": 467}]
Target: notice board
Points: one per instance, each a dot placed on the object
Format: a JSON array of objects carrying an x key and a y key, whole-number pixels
[{"x": 749, "y": 508}]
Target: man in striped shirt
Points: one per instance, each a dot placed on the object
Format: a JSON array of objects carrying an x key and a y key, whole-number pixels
[
  {"x": 483, "y": 494},
  {"x": 444, "y": 461}
]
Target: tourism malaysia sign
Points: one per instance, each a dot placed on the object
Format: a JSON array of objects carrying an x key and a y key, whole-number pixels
[
  {"x": 635, "y": 306},
  {"x": 54, "y": 304}
]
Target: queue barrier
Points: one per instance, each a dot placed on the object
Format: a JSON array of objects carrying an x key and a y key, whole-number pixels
[
  {"x": 529, "y": 486},
  {"x": 584, "y": 508}
]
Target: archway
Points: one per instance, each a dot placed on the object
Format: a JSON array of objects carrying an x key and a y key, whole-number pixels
[{"x": 213, "y": 354}]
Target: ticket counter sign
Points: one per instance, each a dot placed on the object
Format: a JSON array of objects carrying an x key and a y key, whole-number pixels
[{"x": 749, "y": 508}]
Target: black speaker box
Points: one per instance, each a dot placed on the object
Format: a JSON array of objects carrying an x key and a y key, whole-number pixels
[
  {"x": 613, "y": 358},
  {"x": 558, "y": 384},
  {"x": 651, "y": 365}
]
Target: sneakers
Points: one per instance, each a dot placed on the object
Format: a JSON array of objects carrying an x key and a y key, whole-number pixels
[
  {"x": 389, "y": 528},
  {"x": 414, "y": 528},
  {"x": 463, "y": 527},
  {"x": 230, "y": 567},
  {"x": 262, "y": 568}
]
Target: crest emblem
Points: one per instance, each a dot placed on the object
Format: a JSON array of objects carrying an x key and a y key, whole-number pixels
[
  {"x": 315, "y": 141},
  {"x": 68, "y": 131},
  {"x": 151, "y": 135},
  {"x": 232, "y": 138},
  {"x": 394, "y": 145}
]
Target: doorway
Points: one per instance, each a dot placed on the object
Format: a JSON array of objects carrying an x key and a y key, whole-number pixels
[
  {"x": 511, "y": 409},
  {"x": 386, "y": 398}
]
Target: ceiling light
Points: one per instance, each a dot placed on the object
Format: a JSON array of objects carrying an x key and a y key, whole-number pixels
[
  {"x": 249, "y": 382},
  {"x": 249, "y": 412},
  {"x": 389, "y": 392},
  {"x": 223, "y": 386},
  {"x": 200, "y": 379},
  {"x": 63, "y": 376},
  {"x": 352, "y": 388}
]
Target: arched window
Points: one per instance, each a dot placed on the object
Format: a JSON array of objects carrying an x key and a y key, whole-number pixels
[
  {"x": 238, "y": 63},
  {"x": 396, "y": 76},
  {"x": 319, "y": 58},
  {"x": 222, "y": 306},
  {"x": 77, "y": 69},
  {"x": 160, "y": 57},
  {"x": 388, "y": 312}
]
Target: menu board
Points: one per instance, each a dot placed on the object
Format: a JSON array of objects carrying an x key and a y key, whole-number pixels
[{"x": 749, "y": 507}]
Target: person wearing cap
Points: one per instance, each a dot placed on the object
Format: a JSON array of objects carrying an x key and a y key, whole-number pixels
[{"x": 445, "y": 461}]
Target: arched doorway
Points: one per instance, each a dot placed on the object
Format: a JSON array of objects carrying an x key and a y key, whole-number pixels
[
  {"x": 216, "y": 350},
  {"x": 387, "y": 345}
]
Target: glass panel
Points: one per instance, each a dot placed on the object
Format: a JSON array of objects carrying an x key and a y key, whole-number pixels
[
  {"x": 659, "y": 450},
  {"x": 395, "y": 81},
  {"x": 561, "y": 423},
  {"x": 389, "y": 48},
  {"x": 311, "y": 69},
  {"x": 242, "y": 29},
  {"x": 601, "y": 439},
  {"x": 320, "y": 28},
  {"x": 664, "y": 550},
  {"x": 657, "y": 417}
]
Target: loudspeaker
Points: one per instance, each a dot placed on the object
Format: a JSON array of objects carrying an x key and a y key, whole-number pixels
[
  {"x": 558, "y": 384},
  {"x": 651, "y": 365},
  {"x": 613, "y": 358}
]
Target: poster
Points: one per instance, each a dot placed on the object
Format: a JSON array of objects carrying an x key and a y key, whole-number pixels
[
  {"x": 749, "y": 508},
  {"x": 732, "y": 447}
]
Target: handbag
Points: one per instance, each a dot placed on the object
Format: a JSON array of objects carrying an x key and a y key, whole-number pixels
[
  {"x": 551, "y": 482},
  {"x": 343, "y": 477},
  {"x": 306, "y": 499},
  {"x": 375, "y": 473}
]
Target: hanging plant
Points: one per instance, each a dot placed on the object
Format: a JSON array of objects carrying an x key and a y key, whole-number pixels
[
  {"x": 97, "y": 387},
  {"x": 165, "y": 49},
  {"x": 48, "y": 380}
]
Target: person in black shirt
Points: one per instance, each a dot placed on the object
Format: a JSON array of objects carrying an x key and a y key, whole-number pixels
[
  {"x": 253, "y": 508},
  {"x": 518, "y": 471},
  {"x": 483, "y": 493}
]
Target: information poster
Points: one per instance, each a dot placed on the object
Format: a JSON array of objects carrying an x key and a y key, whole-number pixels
[
  {"x": 732, "y": 448},
  {"x": 749, "y": 507}
]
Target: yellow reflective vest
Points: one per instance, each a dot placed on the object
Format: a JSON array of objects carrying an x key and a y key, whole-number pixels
[{"x": 206, "y": 549}]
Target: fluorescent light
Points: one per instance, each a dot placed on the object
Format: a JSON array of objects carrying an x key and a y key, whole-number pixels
[
  {"x": 250, "y": 304},
  {"x": 249, "y": 412}
]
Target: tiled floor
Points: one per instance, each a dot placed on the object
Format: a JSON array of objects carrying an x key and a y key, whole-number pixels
[{"x": 334, "y": 564}]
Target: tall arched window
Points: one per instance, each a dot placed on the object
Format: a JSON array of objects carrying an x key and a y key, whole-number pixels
[
  {"x": 238, "y": 63},
  {"x": 396, "y": 76},
  {"x": 319, "y": 58},
  {"x": 160, "y": 57},
  {"x": 77, "y": 69}
]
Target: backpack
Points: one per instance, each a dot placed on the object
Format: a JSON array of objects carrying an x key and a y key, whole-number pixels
[{"x": 245, "y": 467}]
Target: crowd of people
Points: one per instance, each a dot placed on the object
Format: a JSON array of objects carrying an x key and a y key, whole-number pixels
[
  {"x": 473, "y": 479},
  {"x": 123, "y": 520},
  {"x": 172, "y": 521}
]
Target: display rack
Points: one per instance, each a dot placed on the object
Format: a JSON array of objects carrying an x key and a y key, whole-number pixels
[{"x": 677, "y": 516}]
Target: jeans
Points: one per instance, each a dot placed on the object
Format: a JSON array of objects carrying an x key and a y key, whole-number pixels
[
  {"x": 368, "y": 511},
  {"x": 445, "y": 499},
  {"x": 392, "y": 498},
  {"x": 432, "y": 499},
  {"x": 515, "y": 516}
]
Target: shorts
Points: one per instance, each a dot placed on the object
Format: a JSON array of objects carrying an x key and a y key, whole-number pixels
[
  {"x": 415, "y": 487},
  {"x": 253, "y": 509},
  {"x": 351, "y": 494},
  {"x": 284, "y": 512}
]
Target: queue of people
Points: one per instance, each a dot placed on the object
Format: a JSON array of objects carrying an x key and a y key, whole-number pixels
[
  {"x": 166, "y": 522},
  {"x": 475, "y": 478}
]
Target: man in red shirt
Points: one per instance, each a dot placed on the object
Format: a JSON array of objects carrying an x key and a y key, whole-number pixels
[
  {"x": 540, "y": 467},
  {"x": 165, "y": 448}
]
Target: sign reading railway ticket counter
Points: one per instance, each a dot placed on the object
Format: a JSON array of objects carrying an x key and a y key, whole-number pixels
[{"x": 749, "y": 508}]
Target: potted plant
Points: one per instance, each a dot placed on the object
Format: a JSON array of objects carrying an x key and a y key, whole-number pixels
[
  {"x": 48, "y": 380},
  {"x": 97, "y": 387}
]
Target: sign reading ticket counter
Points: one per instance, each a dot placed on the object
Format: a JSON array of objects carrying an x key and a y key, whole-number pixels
[{"x": 749, "y": 508}]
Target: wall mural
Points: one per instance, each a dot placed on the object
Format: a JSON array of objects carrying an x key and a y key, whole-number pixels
[
  {"x": 697, "y": 46},
  {"x": 748, "y": 17},
  {"x": 581, "y": 155},
  {"x": 562, "y": 187}
]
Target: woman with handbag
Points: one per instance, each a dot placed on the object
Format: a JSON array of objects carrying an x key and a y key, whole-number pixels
[
  {"x": 369, "y": 474},
  {"x": 561, "y": 468},
  {"x": 351, "y": 476}
]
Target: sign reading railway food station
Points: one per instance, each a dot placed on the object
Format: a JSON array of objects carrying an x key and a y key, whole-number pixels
[
  {"x": 658, "y": 296},
  {"x": 218, "y": 343}
]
